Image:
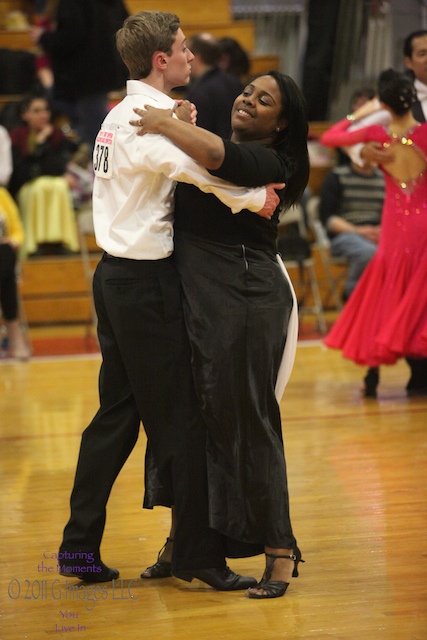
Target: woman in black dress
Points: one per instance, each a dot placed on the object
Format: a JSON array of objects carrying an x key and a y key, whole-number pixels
[{"x": 238, "y": 302}]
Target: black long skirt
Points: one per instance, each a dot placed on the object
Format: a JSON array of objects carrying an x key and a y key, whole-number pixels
[{"x": 237, "y": 304}]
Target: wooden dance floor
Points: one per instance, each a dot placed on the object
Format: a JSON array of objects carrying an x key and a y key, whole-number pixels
[{"x": 358, "y": 483}]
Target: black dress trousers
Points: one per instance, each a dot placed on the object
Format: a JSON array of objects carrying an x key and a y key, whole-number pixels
[{"x": 145, "y": 376}]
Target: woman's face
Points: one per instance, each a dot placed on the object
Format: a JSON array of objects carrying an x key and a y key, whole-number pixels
[
  {"x": 256, "y": 111},
  {"x": 37, "y": 116}
]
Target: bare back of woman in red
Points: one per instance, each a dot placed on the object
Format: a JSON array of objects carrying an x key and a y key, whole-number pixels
[{"x": 386, "y": 316}]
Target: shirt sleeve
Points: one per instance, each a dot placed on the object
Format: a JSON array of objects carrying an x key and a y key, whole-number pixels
[
  {"x": 159, "y": 155},
  {"x": 378, "y": 117},
  {"x": 354, "y": 153},
  {"x": 251, "y": 165},
  {"x": 339, "y": 135},
  {"x": 6, "y": 156}
]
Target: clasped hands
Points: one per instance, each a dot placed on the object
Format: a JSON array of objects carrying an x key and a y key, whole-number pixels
[{"x": 151, "y": 119}]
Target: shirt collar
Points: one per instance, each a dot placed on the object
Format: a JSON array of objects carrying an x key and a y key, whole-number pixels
[
  {"x": 421, "y": 90},
  {"x": 139, "y": 87}
]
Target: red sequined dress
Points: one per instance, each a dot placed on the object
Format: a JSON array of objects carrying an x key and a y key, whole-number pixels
[{"x": 386, "y": 316}]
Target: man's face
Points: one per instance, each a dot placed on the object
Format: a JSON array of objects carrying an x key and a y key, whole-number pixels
[
  {"x": 178, "y": 69},
  {"x": 418, "y": 61}
]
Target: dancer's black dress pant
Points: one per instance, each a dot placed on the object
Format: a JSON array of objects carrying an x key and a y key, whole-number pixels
[{"x": 145, "y": 376}]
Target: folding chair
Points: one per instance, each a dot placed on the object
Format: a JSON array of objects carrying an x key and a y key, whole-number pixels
[
  {"x": 305, "y": 268},
  {"x": 335, "y": 277}
]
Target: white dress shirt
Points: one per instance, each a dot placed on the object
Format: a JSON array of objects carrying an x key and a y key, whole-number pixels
[
  {"x": 421, "y": 90},
  {"x": 6, "y": 156},
  {"x": 133, "y": 195}
]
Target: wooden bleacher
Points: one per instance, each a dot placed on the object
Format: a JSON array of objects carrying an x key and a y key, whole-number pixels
[
  {"x": 54, "y": 289},
  {"x": 195, "y": 16}
]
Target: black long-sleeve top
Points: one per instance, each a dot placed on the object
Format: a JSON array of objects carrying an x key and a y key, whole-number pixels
[{"x": 201, "y": 214}]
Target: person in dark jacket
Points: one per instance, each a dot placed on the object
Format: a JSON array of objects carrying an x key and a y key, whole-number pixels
[
  {"x": 85, "y": 62},
  {"x": 208, "y": 80}
]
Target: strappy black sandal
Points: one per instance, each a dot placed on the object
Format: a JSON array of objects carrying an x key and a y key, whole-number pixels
[
  {"x": 161, "y": 568},
  {"x": 275, "y": 588}
]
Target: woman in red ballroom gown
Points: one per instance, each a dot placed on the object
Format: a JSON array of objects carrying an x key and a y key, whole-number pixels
[{"x": 386, "y": 316}]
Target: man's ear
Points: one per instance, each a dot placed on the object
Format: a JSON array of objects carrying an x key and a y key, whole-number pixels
[{"x": 160, "y": 60}]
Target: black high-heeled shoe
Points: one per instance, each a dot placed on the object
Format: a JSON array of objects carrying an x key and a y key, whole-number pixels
[
  {"x": 161, "y": 568},
  {"x": 371, "y": 381},
  {"x": 223, "y": 579},
  {"x": 275, "y": 588}
]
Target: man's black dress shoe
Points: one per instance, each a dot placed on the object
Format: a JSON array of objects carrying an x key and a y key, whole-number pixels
[
  {"x": 86, "y": 566},
  {"x": 223, "y": 579}
]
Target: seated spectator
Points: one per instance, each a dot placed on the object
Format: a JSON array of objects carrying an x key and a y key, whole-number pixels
[
  {"x": 38, "y": 183},
  {"x": 207, "y": 80},
  {"x": 11, "y": 236},
  {"x": 351, "y": 201}
]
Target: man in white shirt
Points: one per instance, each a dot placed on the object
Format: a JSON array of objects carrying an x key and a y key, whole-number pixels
[{"x": 146, "y": 374}]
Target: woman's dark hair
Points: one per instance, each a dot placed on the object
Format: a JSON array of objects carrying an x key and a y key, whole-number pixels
[
  {"x": 365, "y": 93},
  {"x": 396, "y": 91},
  {"x": 291, "y": 142},
  {"x": 29, "y": 98}
]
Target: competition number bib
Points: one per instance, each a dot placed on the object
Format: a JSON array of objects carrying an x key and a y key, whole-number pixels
[{"x": 103, "y": 154}]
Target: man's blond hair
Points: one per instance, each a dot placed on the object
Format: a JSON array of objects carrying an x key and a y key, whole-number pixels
[{"x": 142, "y": 35}]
